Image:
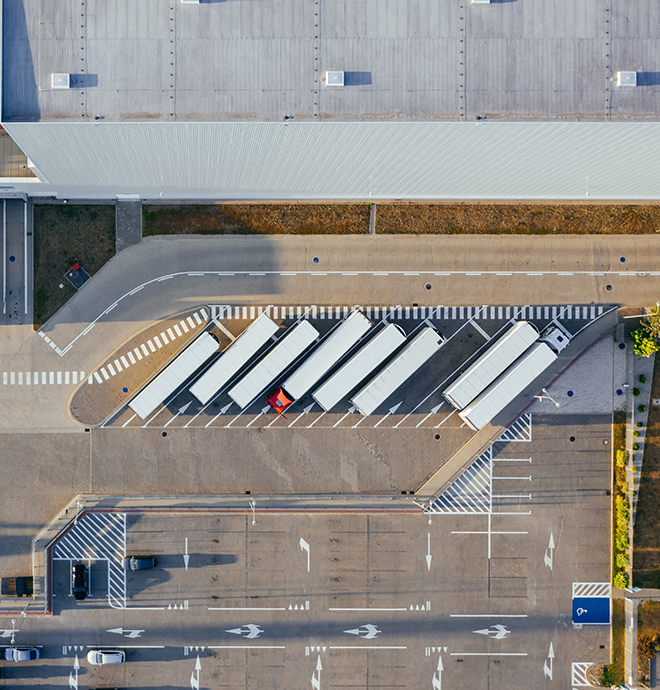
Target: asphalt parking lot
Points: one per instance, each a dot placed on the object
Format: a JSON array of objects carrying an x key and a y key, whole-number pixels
[{"x": 470, "y": 594}]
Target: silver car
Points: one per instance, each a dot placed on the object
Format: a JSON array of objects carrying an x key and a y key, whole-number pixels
[
  {"x": 104, "y": 657},
  {"x": 21, "y": 654}
]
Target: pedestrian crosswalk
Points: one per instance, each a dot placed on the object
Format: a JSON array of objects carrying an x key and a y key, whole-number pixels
[
  {"x": 42, "y": 378},
  {"x": 471, "y": 492},
  {"x": 98, "y": 537},
  {"x": 196, "y": 321},
  {"x": 415, "y": 312}
]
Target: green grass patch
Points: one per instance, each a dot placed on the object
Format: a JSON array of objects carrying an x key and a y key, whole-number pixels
[
  {"x": 612, "y": 674},
  {"x": 253, "y": 219},
  {"x": 64, "y": 234},
  {"x": 646, "y": 554}
]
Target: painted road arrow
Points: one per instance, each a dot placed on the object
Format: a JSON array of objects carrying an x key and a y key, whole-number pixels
[
  {"x": 548, "y": 557},
  {"x": 305, "y": 547},
  {"x": 497, "y": 632},
  {"x": 250, "y": 631},
  {"x": 351, "y": 409},
  {"x": 547, "y": 667},
  {"x": 73, "y": 676},
  {"x": 366, "y": 632},
  {"x": 430, "y": 414},
  {"x": 180, "y": 412},
  {"x": 391, "y": 412},
  {"x": 428, "y": 555},
  {"x": 306, "y": 410},
  {"x": 132, "y": 634},
  {"x": 437, "y": 676},
  {"x": 194, "y": 676},
  {"x": 186, "y": 557},
  {"x": 316, "y": 676}
]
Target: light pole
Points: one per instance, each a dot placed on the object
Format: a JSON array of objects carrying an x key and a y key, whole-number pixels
[{"x": 546, "y": 396}]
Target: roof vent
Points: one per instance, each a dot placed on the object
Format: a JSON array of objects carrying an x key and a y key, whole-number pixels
[
  {"x": 61, "y": 81},
  {"x": 334, "y": 78},
  {"x": 626, "y": 78}
]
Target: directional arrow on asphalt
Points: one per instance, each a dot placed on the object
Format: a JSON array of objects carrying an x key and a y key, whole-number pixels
[
  {"x": 367, "y": 632},
  {"x": 7, "y": 633},
  {"x": 497, "y": 632},
  {"x": 180, "y": 412},
  {"x": 316, "y": 676},
  {"x": 186, "y": 557},
  {"x": 351, "y": 409},
  {"x": 306, "y": 410},
  {"x": 250, "y": 631},
  {"x": 194, "y": 676},
  {"x": 548, "y": 556},
  {"x": 391, "y": 412},
  {"x": 547, "y": 665},
  {"x": 437, "y": 676},
  {"x": 252, "y": 421},
  {"x": 428, "y": 554},
  {"x": 305, "y": 547},
  {"x": 73, "y": 676},
  {"x": 132, "y": 634},
  {"x": 431, "y": 413}
]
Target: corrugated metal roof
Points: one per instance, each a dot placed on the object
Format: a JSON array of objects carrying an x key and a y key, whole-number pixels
[{"x": 347, "y": 160}]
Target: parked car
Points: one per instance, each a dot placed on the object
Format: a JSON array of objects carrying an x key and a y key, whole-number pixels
[
  {"x": 139, "y": 562},
  {"x": 79, "y": 581},
  {"x": 105, "y": 657},
  {"x": 21, "y": 654}
]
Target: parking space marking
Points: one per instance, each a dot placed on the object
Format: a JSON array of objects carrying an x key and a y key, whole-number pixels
[
  {"x": 247, "y": 646},
  {"x": 471, "y": 492},
  {"x": 488, "y": 654},
  {"x": 99, "y": 537},
  {"x": 592, "y": 589},
  {"x": 247, "y": 608},
  {"x": 488, "y": 615}
]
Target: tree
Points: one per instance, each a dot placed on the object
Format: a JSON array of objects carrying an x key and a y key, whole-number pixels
[
  {"x": 643, "y": 344},
  {"x": 651, "y": 323}
]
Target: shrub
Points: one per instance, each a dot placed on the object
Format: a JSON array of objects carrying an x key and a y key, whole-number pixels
[
  {"x": 642, "y": 378},
  {"x": 634, "y": 469},
  {"x": 621, "y": 580},
  {"x": 621, "y": 458},
  {"x": 636, "y": 392},
  {"x": 636, "y": 433},
  {"x": 641, "y": 408},
  {"x": 640, "y": 424},
  {"x": 622, "y": 561},
  {"x": 643, "y": 345},
  {"x": 635, "y": 446},
  {"x": 622, "y": 542},
  {"x": 608, "y": 676}
]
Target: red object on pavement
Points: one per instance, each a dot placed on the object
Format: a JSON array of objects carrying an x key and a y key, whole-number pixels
[
  {"x": 75, "y": 267},
  {"x": 279, "y": 401}
]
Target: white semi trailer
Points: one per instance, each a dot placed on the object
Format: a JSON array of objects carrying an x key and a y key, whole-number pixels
[
  {"x": 177, "y": 371},
  {"x": 491, "y": 364},
  {"x": 333, "y": 348},
  {"x": 420, "y": 349},
  {"x": 285, "y": 353},
  {"x": 359, "y": 366},
  {"x": 234, "y": 358},
  {"x": 508, "y": 385}
]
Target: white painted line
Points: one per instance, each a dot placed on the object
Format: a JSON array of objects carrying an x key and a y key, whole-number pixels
[
  {"x": 152, "y": 347},
  {"x": 366, "y": 609},
  {"x": 97, "y": 377},
  {"x": 488, "y": 615},
  {"x": 126, "y": 646},
  {"x": 485, "y": 532},
  {"x": 184, "y": 325},
  {"x": 158, "y": 342},
  {"x": 246, "y": 646},
  {"x": 104, "y": 373},
  {"x": 171, "y": 334},
  {"x": 145, "y": 608},
  {"x": 225, "y": 331},
  {"x": 191, "y": 322},
  {"x": 130, "y": 356},
  {"x": 521, "y": 478},
  {"x": 129, "y": 421},
  {"x": 118, "y": 365},
  {"x": 59, "y": 378},
  {"x": 143, "y": 347},
  {"x": 480, "y": 329},
  {"x": 164, "y": 337},
  {"x": 51, "y": 377},
  {"x": 367, "y": 646},
  {"x": 245, "y": 608},
  {"x": 111, "y": 369},
  {"x": 512, "y": 459},
  {"x": 488, "y": 654}
]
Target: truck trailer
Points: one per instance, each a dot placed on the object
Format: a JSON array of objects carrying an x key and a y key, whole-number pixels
[
  {"x": 508, "y": 385},
  {"x": 184, "y": 365},
  {"x": 234, "y": 358},
  {"x": 367, "y": 359},
  {"x": 491, "y": 364},
  {"x": 420, "y": 349},
  {"x": 331, "y": 350},
  {"x": 285, "y": 353}
]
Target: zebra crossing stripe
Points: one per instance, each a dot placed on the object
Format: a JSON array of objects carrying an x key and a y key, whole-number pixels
[
  {"x": 519, "y": 431},
  {"x": 471, "y": 492}
]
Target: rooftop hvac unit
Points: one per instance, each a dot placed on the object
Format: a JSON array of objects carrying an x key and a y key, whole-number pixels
[
  {"x": 60, "y": 81},
  {"x": 626, "y": 78},
  {"x": 334, "y": 78}
]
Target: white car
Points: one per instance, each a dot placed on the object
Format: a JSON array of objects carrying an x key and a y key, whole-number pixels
[
  {"x": 104, "y": 657},
  {"x": 21, "y": 653}
]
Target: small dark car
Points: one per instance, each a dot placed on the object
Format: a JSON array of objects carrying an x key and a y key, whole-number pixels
[
  {"x": 79, "y": 581},
  {"x": 139, "y": 562}
]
